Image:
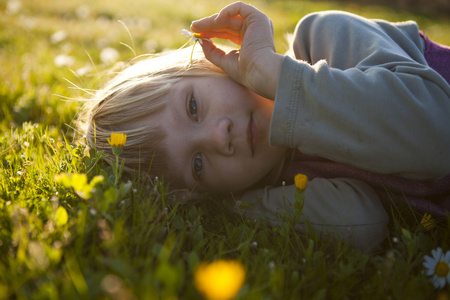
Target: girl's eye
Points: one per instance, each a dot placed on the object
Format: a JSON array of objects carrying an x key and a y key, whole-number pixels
[
  {"x": 197, "y": 166},
  {"x": 193, "y": 108}
]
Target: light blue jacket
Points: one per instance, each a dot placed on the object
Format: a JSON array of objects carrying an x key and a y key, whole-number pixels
[{"x": 359, "y": 92}]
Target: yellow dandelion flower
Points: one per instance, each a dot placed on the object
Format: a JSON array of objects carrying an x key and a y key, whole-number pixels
[
  {"x": 300, "y": 181},
  {"x": 219, "y": 280},
  {"x": 117, "y": 139},
  {"x": 427, "y": 222},
  {"x": 117, "y": 142}
]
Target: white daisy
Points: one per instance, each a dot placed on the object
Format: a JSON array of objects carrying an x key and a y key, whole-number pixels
[
  {"x": 438, "y": 266},
  {"x": 196, "y": 37}
]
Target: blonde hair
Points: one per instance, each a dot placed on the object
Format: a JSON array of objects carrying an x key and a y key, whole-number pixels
[{"x": 133, "y": 96}]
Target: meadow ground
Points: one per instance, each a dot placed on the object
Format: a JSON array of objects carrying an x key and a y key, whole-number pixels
[{"x": 67, "y": 230}]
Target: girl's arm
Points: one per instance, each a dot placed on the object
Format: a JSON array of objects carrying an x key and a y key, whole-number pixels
[
  {"x": 346, "y": 209},
  {"x": 360, "y": 92}
]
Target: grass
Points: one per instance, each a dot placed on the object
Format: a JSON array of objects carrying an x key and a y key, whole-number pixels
[{"x": 67, "y": 231}]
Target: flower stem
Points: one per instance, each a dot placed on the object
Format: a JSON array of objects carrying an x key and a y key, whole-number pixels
[
  {"x": 116, "y": 171},
  {"x": 192, "y": 52}
]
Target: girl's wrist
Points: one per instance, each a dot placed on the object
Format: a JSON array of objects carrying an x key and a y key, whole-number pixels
[{"x": 265, "y": 79}]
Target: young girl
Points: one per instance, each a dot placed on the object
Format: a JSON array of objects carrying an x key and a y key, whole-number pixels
[{"x": 362, "y": 107}]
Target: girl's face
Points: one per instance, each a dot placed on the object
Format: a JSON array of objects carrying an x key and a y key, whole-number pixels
[{"x": 218, "y": 135}]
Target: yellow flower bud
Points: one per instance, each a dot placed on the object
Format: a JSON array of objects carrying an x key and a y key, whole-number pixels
[{"x": 300, "y": 181}]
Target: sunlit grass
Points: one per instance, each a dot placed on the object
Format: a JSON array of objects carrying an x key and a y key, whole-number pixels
[{"x": 129, "y": 240}]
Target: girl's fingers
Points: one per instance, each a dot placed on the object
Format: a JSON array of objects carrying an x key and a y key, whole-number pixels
[
  {"x": 253, "y": 30},
  {"x": 220, "y": 33},
  {"x": 233, "y": 10},
  {"x": 213, "y": 54},
  {"x": 235, "y": 38},
  {"x": 234, "y": 22},
  {"x": 226, "y": 61},
  {"x": 203, "y": 24},
  {"x": 208, "y": 24},
  {"x": 230, "y": 23}
]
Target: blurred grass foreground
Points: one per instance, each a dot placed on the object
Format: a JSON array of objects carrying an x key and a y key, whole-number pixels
[{"x": 69, "y": 229}]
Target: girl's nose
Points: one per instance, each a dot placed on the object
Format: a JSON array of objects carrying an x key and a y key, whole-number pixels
[{"x": 218, "y": 137}]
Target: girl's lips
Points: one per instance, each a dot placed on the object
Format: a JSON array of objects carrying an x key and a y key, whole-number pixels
[{"x": 252, "y": 135}]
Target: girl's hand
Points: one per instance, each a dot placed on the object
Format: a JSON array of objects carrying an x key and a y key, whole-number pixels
[{"x": 256, "y": 65}]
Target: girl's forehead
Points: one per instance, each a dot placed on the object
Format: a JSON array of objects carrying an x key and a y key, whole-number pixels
[{"x": 169, "y": 121}]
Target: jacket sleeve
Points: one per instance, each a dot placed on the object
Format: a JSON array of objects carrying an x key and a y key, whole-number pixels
[
  {"x": 360, "y": 92},
  {"x": 343, "y": 208}
]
